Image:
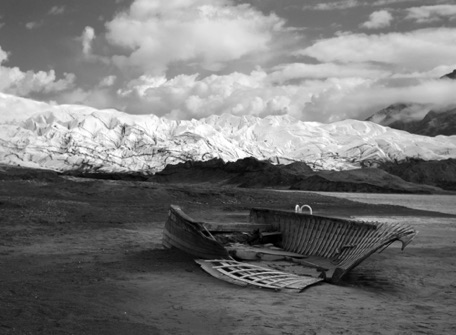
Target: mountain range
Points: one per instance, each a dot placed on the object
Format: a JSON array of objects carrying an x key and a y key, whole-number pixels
[
  {"x": 401, "y": 148},
  {"x": 72, "y": 137}
]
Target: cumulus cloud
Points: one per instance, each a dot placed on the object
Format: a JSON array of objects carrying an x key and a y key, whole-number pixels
[
  {"x": 258, "y": 93},
  {"x": 389, "y": 2},
  {"x": 3, "y": 55},
  {"x": 336, "y": 5},
  {"x": 346, "y": 4},
  {"x": 351, "y": 75},
  {"x": 15, "y": 81},
  {"x": 187, "y": 96},
  {"x": 87, "y": 37},
  {"x": 378, "y": 19},
  {"x": 425, "y": 14},
  {"x": 57, "y": 10},
  {"x": 107, "y": 81},
  {"x": 357, "y": 74},
  {"x": 303, "y": 71},
  {"x": 98, "y": 97},
  {"x": 209, "y": 33},
  {"x": 415, "y": 50},
  {"x": 33, "y": 24}
]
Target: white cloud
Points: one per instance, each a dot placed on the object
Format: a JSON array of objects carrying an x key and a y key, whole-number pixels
[
  {"x": 312, "y": 92},
  {"x": 15, "y": 81},
  {"x": 33, "y": 24},
  {"x": 3, "y": 55},
  {"x": 378, "y": 19},
  {"x": 257, "y": 93},
  {"x": 57, "y": 10},
  {"x": 334, "y": 5},
  {"x": 425, "y": 14},
  {"x": 87, "y": 37},
  {"x": 347, "y": 4},
  {"x": 186, "y": 96},
  {"x": 98, "y": 97},
  {"x": 416, "y": 50},
  {"x": 353, "y": 76},
  {"x": 209, "y": 33},
  {"x": 390, "y": 2},
  {"x": 363, "y": 99},
  {"x": 434, "y": 73},
  {"x": 318, "y": 98},
  {"x": 304, "y": 71},
  {"x": 107, "y": 81}
]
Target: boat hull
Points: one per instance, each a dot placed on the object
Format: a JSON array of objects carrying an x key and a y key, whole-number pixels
[
  {"x": 186, "y": 234},
  {"x": 325, "y": 247}
]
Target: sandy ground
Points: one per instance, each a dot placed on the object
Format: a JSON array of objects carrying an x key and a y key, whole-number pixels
[{"x": 85, "y": 257}]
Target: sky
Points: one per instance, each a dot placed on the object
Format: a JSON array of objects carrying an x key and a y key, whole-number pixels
[{"x": 314, "y": 60}]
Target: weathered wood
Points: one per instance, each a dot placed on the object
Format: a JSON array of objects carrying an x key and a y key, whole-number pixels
[
  {"x": 270, "y": 237},
  {"x": 222, "y": 227},
  {"x": 345, "y": 243},
  {"x": 266, "y": 251},
  {"x": 333, "y": 246},
  {"x": 247, "y": 274},
  {"x": 184, "y": 233}
]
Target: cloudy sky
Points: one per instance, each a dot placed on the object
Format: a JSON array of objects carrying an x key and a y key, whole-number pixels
[{"x": 314, "y": 60}]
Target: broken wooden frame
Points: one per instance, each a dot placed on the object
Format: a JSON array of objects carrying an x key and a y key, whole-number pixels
[
  {"x": 332, "y": 246},
  {"x": 245, "y": 274}
]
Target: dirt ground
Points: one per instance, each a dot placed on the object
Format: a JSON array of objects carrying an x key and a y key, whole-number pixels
[{"x": 81, "y": 256}]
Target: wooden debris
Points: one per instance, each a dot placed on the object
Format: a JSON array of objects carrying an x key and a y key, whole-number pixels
[{"x": 245, "y": 274}]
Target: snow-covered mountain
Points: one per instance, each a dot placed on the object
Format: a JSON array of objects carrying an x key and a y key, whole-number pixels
[{"x": 76, "y": 137}]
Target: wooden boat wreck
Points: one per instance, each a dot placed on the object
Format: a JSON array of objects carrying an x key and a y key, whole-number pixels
[{"x": 290, "y": 249}]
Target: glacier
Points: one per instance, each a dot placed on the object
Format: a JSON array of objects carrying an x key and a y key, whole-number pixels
[{"x": 69, "y": 137}]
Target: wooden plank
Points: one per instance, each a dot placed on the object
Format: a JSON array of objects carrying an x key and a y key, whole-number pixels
[
  {"x": 216, "y": 274},
  {"x": 265, "y": 251},
  {"x": 224, "y": 227},
  {"x": 247, "y": 281},
  {"x": 257, "y": 276},
  {"x": 194, "y": 249}
]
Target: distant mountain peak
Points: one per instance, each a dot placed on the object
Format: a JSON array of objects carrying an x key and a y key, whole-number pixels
[
  {"x": 399, "y": 112},
  {"x": 418, "y": 119}
]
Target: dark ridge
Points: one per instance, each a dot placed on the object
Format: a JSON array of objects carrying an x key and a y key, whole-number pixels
[
  {"x": 11, "y": 172},
  {"x": 252, "y": 173},
  {"x": 440, "y": 174},
  {"x": 247, "y": 172},
  {"x": 126, "y": 176},
  {"x": 364, "y": 180},
  {"x": 412, "y": 176}
]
